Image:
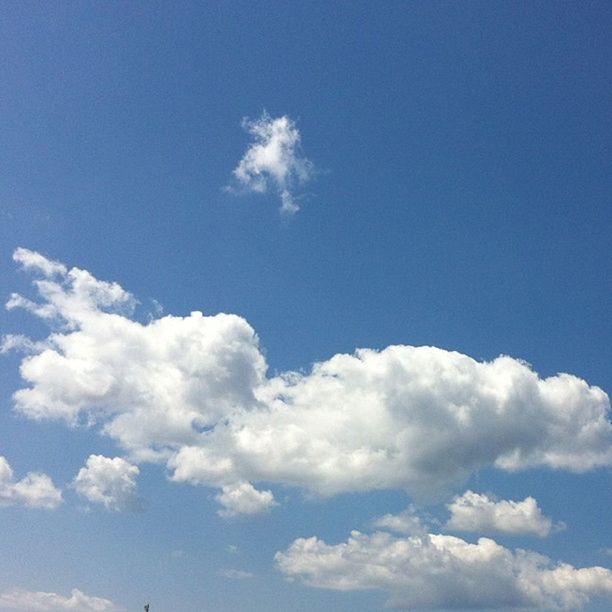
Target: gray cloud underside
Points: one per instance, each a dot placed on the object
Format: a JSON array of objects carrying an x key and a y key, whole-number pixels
[{"x": 194, "y": 393}]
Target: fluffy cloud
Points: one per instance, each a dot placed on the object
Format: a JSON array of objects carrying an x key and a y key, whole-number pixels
[
  {"x": 35, "y": 490},
  {"x": 107, "y": 481},
  {"x": 19, "y": 599},
  {"x": 476, "y": 512},
  {"x": 420, "y": 419},
  {"x": 244, "y": 498},
  {"x": 154, "y": 386},
  {"x": 406, "y": 522},
  {"x": 440, "y": 571},
  {"x": 273, "y": 159},
  {"x": 193, "y": 392}
]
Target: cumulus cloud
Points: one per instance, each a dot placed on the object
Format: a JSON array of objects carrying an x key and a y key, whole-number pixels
[
  {"x": 194, "y": 392},
  {"x": 480, "y": 513},
  {"x": 406, "y": 522},
  {"x": 273, "y": 160},
  {"x": 435, "y": 571},
  {"x": 38, "y": 601},
  {"x": 71, "y": 296},
  {"x": 244, "y": 498},
  {"x": 107, "y": 481},
  {"x": 35, "y": 490}
]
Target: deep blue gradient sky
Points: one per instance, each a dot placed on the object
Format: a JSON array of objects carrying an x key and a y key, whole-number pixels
[{"x": 461, "y": 199}]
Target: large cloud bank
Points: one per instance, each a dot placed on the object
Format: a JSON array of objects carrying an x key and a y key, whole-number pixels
[
  {"x": 433, "y": 571},
  {"x": 193, "y": 392}
]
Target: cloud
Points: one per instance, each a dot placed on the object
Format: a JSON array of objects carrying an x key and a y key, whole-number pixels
[
  {"x": 477, "y": 512},
  {"x": 236, "y": 574},
  {"x": 194, "y": 393},
  {"x": 111, "y": 482},
  {"x": 19, "y": 599},
  {"x": 406, "y": 522},
  {"x": 18, "y": 342},
  {"x": 31, "y": 260},
  {"x": 72, "y": 296},
  {"x": 435, "y": 571},
  {"x": 35, "y": 490},
  {"x": 243, "y": 498},
  {"x": 273, "y": 160}
]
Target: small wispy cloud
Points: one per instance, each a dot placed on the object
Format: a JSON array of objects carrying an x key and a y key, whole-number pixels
[
  {"x": 236, "y": 574},
  {"x": 274, "y": 160}
]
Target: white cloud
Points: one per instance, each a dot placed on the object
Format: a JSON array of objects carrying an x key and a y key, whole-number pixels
[
  {"x": 243, "y": 498},
  {"x": 31, "y": 260},
  {"x": 477, "y": 512},
  {"x": 35, "y": 490},
  {"x": 69, "y": 295},
  {"x": 107, "y": 481},
  {"x": 273, "y": 159},
  {"x": 415, "y": 418},
  {"x": 441, "y": 571},
  {"x": 406, "y": 522},
  {"x": 236, "y": 574},
  {"x": 38, "y": 601},
  {"x": 193, "y": 391},
  {"x": 18, "y": 342}
]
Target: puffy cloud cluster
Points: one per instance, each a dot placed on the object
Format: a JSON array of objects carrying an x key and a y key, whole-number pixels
[
  {"x": 433, "y": 571},
  {"x": 107, "y": 481},
  {"x": 39, "y": 601},
  {"x": 155, "y": 386},
  {"x": 35, "y": 490},
  {"x": 193, "y": 391},
  {"x": 273, "y": 159},
  {"x": 476, "y": 512}
]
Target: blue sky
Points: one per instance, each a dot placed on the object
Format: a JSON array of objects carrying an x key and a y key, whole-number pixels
[{"x": 450, "y": 162}]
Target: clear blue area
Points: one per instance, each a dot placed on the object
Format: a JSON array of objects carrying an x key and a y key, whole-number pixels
[{"x": 462, "y": 200}]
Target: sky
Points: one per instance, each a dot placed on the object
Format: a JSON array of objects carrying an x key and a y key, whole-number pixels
[{"x": 306, "y": 306}]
